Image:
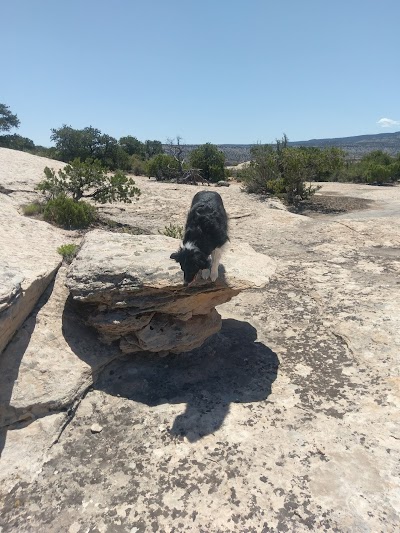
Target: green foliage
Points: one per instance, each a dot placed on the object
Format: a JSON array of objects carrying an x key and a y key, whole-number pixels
[
  {"x": 68, "y": 251},
  {"x": 210, "y": 161},
  {"x": 33, "y": 209},
  {"x": 377, "y": 157},
  {"x": 239, "y": 174},
  {"x": 16, "y": 142},
  {"x": 279, "y": 170},
  {"x": 89, "y": 143},
  {"x": 152, "y": 148},
  {"x": 7, "y": 119},
  {"x": 228, "y": 174},
  {"x": 88, "y": 180},
  {"x": 163, "y": 167},
  {"x": 71, "y": 143},
  {"x": 43, "y": 151},
  {"x": 376, "y": 173},
  {"x": 120, "y": 160},
  {"x": 132, "y": 146},
  {"x": 324, "y": 164},
  {"x": 67, "y": 213},
  {"x": 173, "y": 230},
  {"x": 138, "y": 166},
  {"x": 377, "y": 167}
]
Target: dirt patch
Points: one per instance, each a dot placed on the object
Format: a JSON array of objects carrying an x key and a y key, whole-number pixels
[{"x": 321, "y": 204}]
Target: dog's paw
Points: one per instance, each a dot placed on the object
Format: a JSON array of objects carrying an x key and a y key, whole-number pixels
[
  {"x": 214, "y": 276},
  {"x": 205, "y": 274}
]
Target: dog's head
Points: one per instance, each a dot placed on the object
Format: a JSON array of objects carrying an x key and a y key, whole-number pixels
[{"x": 191, "y": 260}]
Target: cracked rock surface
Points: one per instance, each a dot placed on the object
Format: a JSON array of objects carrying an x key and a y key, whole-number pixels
[{"x": 285, "y": 420}]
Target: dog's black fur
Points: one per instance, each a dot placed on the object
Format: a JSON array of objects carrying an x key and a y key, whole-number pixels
[{"x": 206, "y": 230}]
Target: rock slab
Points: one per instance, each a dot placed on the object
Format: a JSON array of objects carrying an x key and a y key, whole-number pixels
[
  {"x": 28, "y": 263},
  {"x": 129, "y": 290}
]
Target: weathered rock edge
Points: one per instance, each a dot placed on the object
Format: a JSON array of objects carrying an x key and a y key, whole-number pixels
[
  {"x": 20, "y": 304},
  {"x": 28, "y": 264},
  {"x": 129, "y": 290}
]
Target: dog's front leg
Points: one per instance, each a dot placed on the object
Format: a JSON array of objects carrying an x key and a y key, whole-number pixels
[
  {"x": 205, "y": 274},
  {"x": 215, "y": 258}
]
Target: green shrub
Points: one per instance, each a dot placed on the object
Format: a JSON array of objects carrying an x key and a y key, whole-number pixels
[
  {"x": 281, "y": 171},
  {"x": 88, "y": 179},
  {"x": 377, "y": 173},
  {"x": 33, "y": 209},
  {"x": 173, "y": 230},
  {"x": 376, "y": 167},
  {"x": 138, "y": 166},
  {"x": 210, "y": 160},
  {"x": 67, "y": 213},
  {"x": 240, "y": 174},
  {"x": 68, "y": 251},
  {"x": 163, "y": 167}
]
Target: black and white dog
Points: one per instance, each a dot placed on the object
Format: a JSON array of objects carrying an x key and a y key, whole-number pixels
[{"x": 206, "y": 232}]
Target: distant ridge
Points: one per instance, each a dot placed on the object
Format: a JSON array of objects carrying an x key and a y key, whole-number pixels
[
  {"x": 389, "y": 142},
  {"x": 356, "y": 146}
]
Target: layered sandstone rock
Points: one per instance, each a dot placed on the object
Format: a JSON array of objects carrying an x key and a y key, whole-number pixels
[{"x": 131, "y": 292}]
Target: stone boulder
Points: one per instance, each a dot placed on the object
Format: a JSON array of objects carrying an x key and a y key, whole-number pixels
[{"x": 131, "y": 292}]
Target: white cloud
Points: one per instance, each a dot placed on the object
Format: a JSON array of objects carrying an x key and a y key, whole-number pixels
[{"x": 388, "y": 122}]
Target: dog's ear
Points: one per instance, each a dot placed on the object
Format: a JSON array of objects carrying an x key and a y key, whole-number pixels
[{"x": 175, "y": 256}]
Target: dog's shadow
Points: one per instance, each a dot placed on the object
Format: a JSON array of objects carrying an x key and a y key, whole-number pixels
[{"x": 230, "y": 367}]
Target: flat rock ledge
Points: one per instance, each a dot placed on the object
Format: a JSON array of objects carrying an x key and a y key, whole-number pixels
[{"x": 132, "y": 293}]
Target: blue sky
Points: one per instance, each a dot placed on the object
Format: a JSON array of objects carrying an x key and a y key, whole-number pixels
[{"x": 210, "y": 71}]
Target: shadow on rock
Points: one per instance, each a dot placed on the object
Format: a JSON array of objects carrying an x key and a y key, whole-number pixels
[
  {"x": 230, "y": 367},
  {"x": 10, "y": 361}
]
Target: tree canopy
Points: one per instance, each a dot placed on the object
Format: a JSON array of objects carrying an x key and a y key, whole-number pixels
[
  {"x": 153, "y": 148},
  {"x": 7, "y": 119},
  {"x": 132, "y": 146},
  {"x": 16, "y": 142},
  {"x": 87, "y": 143},
  {"x": 210, "y": 161},
  {"x": 91, "y": 143}
]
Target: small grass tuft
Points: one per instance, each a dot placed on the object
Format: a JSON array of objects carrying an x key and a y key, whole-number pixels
[
  {"x": 33, "y": 209},
  {"x": 173, "y": 230},
  {"x": 68, "y": 251}
]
